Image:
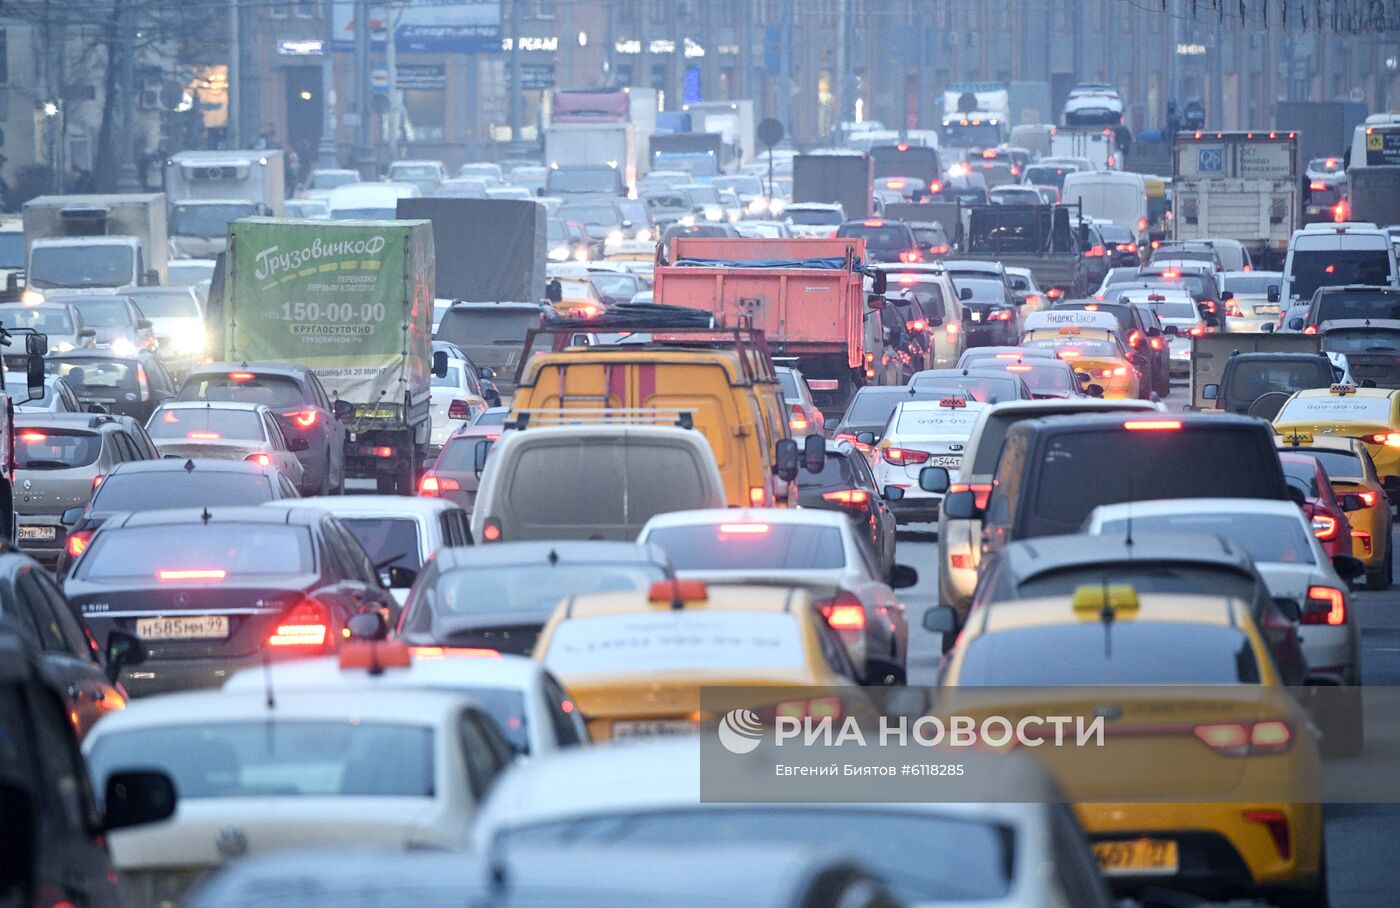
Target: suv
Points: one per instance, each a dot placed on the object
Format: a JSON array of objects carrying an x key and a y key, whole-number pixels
[
  {"x": 302, "y": 407},
  {"x": 1053, "y": 471},
  {"x": 60, "y": 459},
  {"x": 1250, "y": 378},
  {"x": 885, "y": 241},
  {"x": 1353, "y": 301},
  {"x": 1336, "y": 255}
]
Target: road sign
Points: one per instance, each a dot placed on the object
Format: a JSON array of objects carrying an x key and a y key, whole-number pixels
[{"x": 770, "y": 132}]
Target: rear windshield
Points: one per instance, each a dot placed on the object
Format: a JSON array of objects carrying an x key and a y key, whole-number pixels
[
  {"x": 1361, "y": 340},
  {"x": 1248, "y": 380},
  {"x": 496, "y": 589},
  {"x": 983, "y": 290},
  {"x": 48, "y": 449},
  {"x": 1267, "y": 537},
  {"x": 205, "y": 424},
  {"x": 43, "y": 319},
  {"x": 192, "y": 552},
  {"x": 275, "y": 391},
  {"x": 476, "y": 326},
  {"x": 885, "y": 237},
  {"x": 1335, "y": 464},
  {"x": 789, "y": 382},
  {"x": 1048, "y": 176},
  {"x": 1175, "y": 310},
  {"x": 1301, "y": 475},
  {"x": 982, "y": 388},
  {"x": 672, "y": 641},
  {"x": 1043, "y": 379},
  {"x": 1127, "y": 652},
  {"x": 873, "y": 407},
  {"x": 277, "y": 759},
  {"x": 751, "y": 547},
  {"x": 459, "y": 455},
  {"x": 92, "y": 374},
  {"x": 1252, "y": 284},
  {"x": 1335, "y": 408},
  {"x": 1081, "y": 470},
  {"x": 168, "y": 489},
  {"x": 811, "y": 218},
  {"x": 1333, "y": 306},
  {"x": 1335, "y": 268},
  {"x": 837, "y": 473},
  {"x": 389, "y": 542},
  {"x": 929, "y": 422}
]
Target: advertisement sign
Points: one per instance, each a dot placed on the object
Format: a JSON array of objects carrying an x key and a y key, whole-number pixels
[{"x": 468, "y": 27}]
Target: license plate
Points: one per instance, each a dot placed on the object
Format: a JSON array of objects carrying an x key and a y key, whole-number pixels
[
  {"x": 38, "y": 534},
  {"x": 376, "y": 414},
  {"x": 976, "y": 316},
  {"x": 1137, "y": 856},
  {"x": 658, "y": 728},
  {"x": 1266, "y": 310},
  {"x": 191, "y": 627},
  {"x": 951, "y": 462}
]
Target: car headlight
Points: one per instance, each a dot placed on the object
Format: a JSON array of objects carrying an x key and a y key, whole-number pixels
[
  {"x": 686, "y": 220},
  {"x": 189, "y": 339},
  {"x": 644, "y": 236},
  {"x": 757, "y": 206},
  {"x": 31, "y": 297},
  {"x": 734, "y": 215},
  {"x": 581, "y": 254},
  {"x": 559, "y": 253},
  {"x": 123, "y": 346},
  {"x": 714, "y": 213},
  {"x": 776, "y": 206},
  {"x": 615, "y": 237}
]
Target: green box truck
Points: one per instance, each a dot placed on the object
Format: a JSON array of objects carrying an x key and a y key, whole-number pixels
[{"x": 352, "y": 300}]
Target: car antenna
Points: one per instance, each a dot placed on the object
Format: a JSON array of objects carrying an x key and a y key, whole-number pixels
[
  {"x": 553, "y": 557},
  {"x": 1106, "y": 617},
  {"x": 189, "y": 465},
  {"x": 205, "y": 515}
]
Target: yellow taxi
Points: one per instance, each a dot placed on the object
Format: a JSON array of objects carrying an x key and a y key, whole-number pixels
[
  {"x": 634, "y": 661},
  {"x": 1207, "y": 776},
  {"x": 1097, "y": 352},
  {"x": 1346, "y": 411},
  {"x": 1349, "y": 467},
  {"x": 577, "y": 297}
]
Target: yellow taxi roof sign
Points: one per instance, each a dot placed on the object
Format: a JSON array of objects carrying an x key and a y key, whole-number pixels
[
  {"x": 953, "y": 402},
  {"x": 1342, "y": 388},
  {"x": 1121, "y": 597}
]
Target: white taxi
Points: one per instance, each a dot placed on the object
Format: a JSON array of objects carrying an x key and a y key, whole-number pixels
[{"x": 923, "y": 433}]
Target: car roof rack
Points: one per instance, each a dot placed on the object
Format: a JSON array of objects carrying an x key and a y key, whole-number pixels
[{"x": 577, "y": 416}]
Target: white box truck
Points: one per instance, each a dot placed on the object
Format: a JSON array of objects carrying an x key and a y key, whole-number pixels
[
  {"x": 732, "y": 119},
  {"x": 1237, "y": 186},
  {"x": 94, "y": 243},
  {"x": 208, "y": 190}
]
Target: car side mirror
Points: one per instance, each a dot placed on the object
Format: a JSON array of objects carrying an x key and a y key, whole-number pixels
[
  {"x": 123, "y": 650},
  {"x": 1267, "y": 328},
  {"x": 935, "y": 322},
  {"x": 143, "y": 324},
  {"x": 1211, "y": 321},
  {"x": 965, "y": 293},
  {"x": 1273, "y": 294},
  {"x": 785, "y": 459},
  {"x": 137, "y": 798},
  {"x": 298, "y": 444},
  {"x": 1347, "y": 567},
  {"x": 903, "y": 577},
  {"x": 343, "y": 409},
  {"x": 879, "y": 282},
  {"x": 1094, "y": 390},
  {"x": 961, "y": 505},
  {"x": 36, "y": 344},
  {"x": 875, "y": 301},
  {"x": 1288, "y": 608},
  {"x": 1154, "y": 332},
  {"x": 87, "y": 332},
  {"x": 1210, "y": 392},
  {"x": 865, "y": 438},
  {"x": 1296, "y": 496},
  {"x": 368, "y": 626},
  {"x": 554, "y": 291},
  {"x": 1171, "y": 330},
  {"x": 892, "y": 493},
  {"x": 35, "y": 380},
  {"x": 1227, "y": 295},
  {"x": 626, "y": 225},
  {"x": 1295, "y": 324},
  {"x": 71, "y": 517},
  {"x": 934, "y": 479},
  {"x": 940, "y": 619},
  {"x": 483, "y": 450},
  {"x": 440, "y": 363},
  {"x": 814, "y": 454},
  {"x": 399, "y": 577},
  {"x": 487, "y": 373}
]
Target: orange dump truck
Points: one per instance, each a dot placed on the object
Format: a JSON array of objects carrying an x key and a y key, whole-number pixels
[{"x": 804, "y": 294}]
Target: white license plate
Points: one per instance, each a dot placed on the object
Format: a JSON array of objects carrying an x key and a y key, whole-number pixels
[
  {"x": 952, "y": 462},
  {"x": 656, "y": 728},
  {"x": 976, "y": 316},
  {"x": 192, "y": 627},
  {"x": 38, "y": 534},
  {"x": 1266, "y": 310}
]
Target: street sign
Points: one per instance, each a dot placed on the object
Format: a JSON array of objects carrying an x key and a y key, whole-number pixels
[{"x": 770, "y": 132}]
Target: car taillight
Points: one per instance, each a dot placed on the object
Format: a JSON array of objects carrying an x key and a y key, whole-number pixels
[
  {"x": 1095, "y": 252},
  {"x": 78, "y": 542},
  {"x": 843, "y": 615},
  {"x": 1135, "y": 338},
  {"x": 1325, "y": 605},
  {"x": 911, "y": 255},
  {"x": 1196, "y": 330},
  {"x": 952, "y": 328},
  {"x": 382, "y": 451},
  {"x": 856, "y": 499},
  {"x": 1110, "y": 373},
  {"x": 1389, "y": 439},
  {"x": 1310, "y": 329},
  {"x": 1324, "y": 526},
  {"x": 307, "y": 624},
  {"x": 459, "y": 409},
  {"x": 1367, "y": 498},
  {"x": 1152, "y": 425},
  {"x": 999, "y": 315},
  {"x": 798, "y": 420},
  {"x": 942, "y": 248},
  {"x": 1233, "y": 310},
  {"x": 1155, "y": 343},
  {"x": 902, "y": 456},
  {"x": 432, "y": 485},
  {"x": 262, "y": 460},
  {"x": 142, "y": 383},
  {"x": 981, "y": 491},
  {"x": 97, "y": 481},
  {"x": 1239, "y": 739},
  {"x": 1126, "y": 247},
  {"x": 304, "y": 419},
  {"x": 491, "y": 530},
  {"x": 917, "y": 326},
  {"x": 820, "y": 708}
]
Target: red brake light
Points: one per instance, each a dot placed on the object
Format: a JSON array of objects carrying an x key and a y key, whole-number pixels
[
  {"x": 240, "y": 376},
  {"x": 306, "y": 624},
  {"x": 1324, "y": 526},
  {"x": 1017, "y": 367},
  {"x": 798, "y": 420},
  {"x": 1135, "y": 338},
  {"x": 1152, "y": 425},
  {"x": 901, "y": 456},
  {"x": 203, "y": 436},
  {"x": 491, "y": 530},
  {"x": 743, "y": 529},
  {"x": 1310, "y": 329},
  {"x": 1339, "y": 212},
  {"x": 1196, "y": 330},
  {"x": 305, "y": 419},
  {"x": 682, "y": 590},
  {"x": 32, "y": 436},
  {"x": 382, "y": 451},
  {"x": 911, "y": 255},
  {"x": 936, "y": 186},
  {"x": 78, "y": 542},
  {"x": 981, "y": 491},
  {"x": 262, "y": 460},
  {"x": 1095, "y": 252},
  {"x": 459, "y": 409},
  {"x": 1317, "y": 185},
  {"x": 1155, "y": 343},
  {"x": 873, "y": 222},
  {"x": 1368, "y": 498},
  {"x": 1389, "y": 439},
  {"x": 894, "y": 184},
  {"x": 97, "y": 481},
  {"x": 1329, "y": 605},
  {"x": 849, "y": 498},
  {"x": 758, "y": 496},
  {"x": 173, "y": 576},
  {"x": 845, "y": 617},
  {"x": 1126, "y": 247},
  {"x": 918, "y": 326},
  {"x": 999, "y": 315},
  {"x": 433, "y": 484}
]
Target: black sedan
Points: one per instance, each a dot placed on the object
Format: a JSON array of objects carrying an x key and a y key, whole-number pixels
[
  {"x": 105, "y": 381},
  {"x": 303, "y": 409},
  {"x": 209, "y": 592},
  {"x": 500, "y": 596},
  {"x": 846, "y": 484}
]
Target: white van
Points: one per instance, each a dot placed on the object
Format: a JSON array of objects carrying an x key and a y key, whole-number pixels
[
  {"x": 591, "y": 481},
  {"x": 369, "y": 201},
  {"x": 1110, "y": 195},
  {"x": 1334, "y": 255}
]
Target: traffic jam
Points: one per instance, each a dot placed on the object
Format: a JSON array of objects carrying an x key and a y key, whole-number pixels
[{"x": 389, "y": 545}]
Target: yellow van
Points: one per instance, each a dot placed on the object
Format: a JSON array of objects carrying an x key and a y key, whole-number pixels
[{"x": 731, "y": 394}]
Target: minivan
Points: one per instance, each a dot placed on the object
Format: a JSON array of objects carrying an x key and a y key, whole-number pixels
[
  {"x": 599, "y": 481},
  {"x": 1334, "y": 255}
]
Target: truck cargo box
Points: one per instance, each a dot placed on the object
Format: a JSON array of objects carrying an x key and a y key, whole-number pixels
[{"x": 489, "y": 250}]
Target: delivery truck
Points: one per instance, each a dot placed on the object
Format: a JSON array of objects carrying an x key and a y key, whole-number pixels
[
  {"x": 498, "y": 247},
  {"x": 353, "y": 300},
  {"x": 1237, "y": 186},
  {"x": 94, "y": 243},
  {"x": 209, "y": 189},
  {"x": 588, "y": 129}
]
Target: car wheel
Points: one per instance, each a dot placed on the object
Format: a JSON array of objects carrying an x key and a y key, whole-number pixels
[
  {"x": 1382, "y": 579},
  {"x": 1164, "y": 383}
]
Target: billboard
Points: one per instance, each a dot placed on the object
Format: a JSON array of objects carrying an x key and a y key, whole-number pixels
[{"x": 468, "y": 27}]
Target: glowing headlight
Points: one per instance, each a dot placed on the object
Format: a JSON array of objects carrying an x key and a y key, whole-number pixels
[
  {"x": 123, "y": 347},
  {"x": 581, "y": 254},
  {"x": 189, "y": 339},
  {"x": 687, "y": 220},
  {"x": 559, "y": 254},
  {"x": 616, "y": 237},
  {"x": 734, "y": 216},
  {"x": 757, "y": 206},
  {"x": 776, "y": 206},
  {"x": 644, "y": 236},
  {"x": 31, "y": 297},
  {"x": 714, "y": 213}
]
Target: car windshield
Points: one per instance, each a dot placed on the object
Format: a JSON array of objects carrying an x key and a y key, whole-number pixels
[
  {"x": 1251, "y": 283},
  {"x": 1334, "y": 306},
  {"x": 1128, "y": 652},
  {"x": 206, "y": 219},
  {"x": 620, "y": 286},
  {"x": 751, "y": 546},
  {"x": 272, "y": 758},
  {"x": 652, "y": 642},
  {"x": 43, "y": 319},
  {"x": 389, "y": 541},
  {"x": 809, "y": 217},
  {"x": 101, "y": 312},
  {"x": 197, "y": 552},
  {"x": 702, "y": 195},
  {"x": 84, "y": 375},
  {"x": 413, "y": 172},
  {"x": 1269, "y": 538},
  {"x": 745, "y": 185},
  {"x": 1335, "y": 268},
  {"x": 330, "y": 179},
  {"x": 984, "y": 290},
  {"x": 166, "y": 489},
  {"x": 55, "y": 449},
  {"x": 1332, "y": 409},
  {"x": 1048, "y": 176},
  {"x": 91, "y": 265},
  {"x": 206, "y": 424},
  {"x": 452, "y": 379},
  {"x": 275, "y": 391},
  {"x": 598, "y": 215},
  {"x": 504, "y": 588},
  {"x": 1361, "y": 340},
  {"x": 364, "y": 214},
  {"x": 920, "y": 855},
  {"x": 155, "y": 304}
]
